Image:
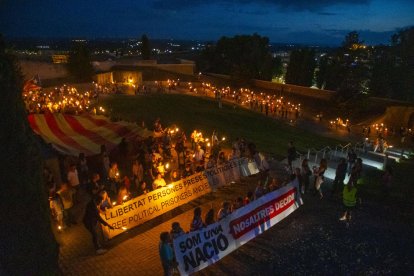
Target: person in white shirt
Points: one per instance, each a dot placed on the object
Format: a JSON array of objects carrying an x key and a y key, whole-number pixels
[
  {"x": 73, "y": 178},
  {"x": 214, "y": 139},
  {"x": 199, "y": 154}
]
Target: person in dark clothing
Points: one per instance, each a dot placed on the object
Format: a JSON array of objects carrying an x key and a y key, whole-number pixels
[
  {"x": 91, "y": 219},
  {"x": 142, "y": 188},
  {"x": 291, "y": 155},
  {"x": 83, "y": 168},
  {"x": 209, "y": 217},
  {"x": 356, "y": 172},
  {"x": 351, "y": 160},
  {"x": 338, "y": 182},
  {"x": 94, "y": 186}
]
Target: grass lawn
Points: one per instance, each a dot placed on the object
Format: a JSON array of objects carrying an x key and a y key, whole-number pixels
[{"x": 189, "y": 113}]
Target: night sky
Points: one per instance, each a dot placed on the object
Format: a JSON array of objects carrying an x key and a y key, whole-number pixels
[{"x": 295, "y": 21}]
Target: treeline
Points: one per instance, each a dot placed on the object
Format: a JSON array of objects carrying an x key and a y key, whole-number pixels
[
  {"x": 243, "y": 57},
  {"x": 354, "y": 70}
]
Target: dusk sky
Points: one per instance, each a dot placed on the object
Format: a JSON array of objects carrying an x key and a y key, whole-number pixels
[{"x": 296, "y": 21}]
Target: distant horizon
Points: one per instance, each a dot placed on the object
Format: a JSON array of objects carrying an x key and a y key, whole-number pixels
[
  {"x": 308, "y": 22},
  {"x": 207, "y": 40}
]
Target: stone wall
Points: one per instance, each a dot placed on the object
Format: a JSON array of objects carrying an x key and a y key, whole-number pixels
[
  {"x": 182, "y": 68},
  {"x": 294, "y": 89},
  {"x": 186, "y": 69},
  {"x": 119, "y": 76},
  {"x": 45, "y": 70},
  {"x": 132, "y": 77},
  {"x": 399, "y": 116},
  {"x": 104, "y": 78},
  {"x": 48, "y": 70},
  {"x": 279, "y": 88}
]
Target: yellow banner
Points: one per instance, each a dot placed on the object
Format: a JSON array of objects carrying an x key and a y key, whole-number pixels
[{"x": 146, "y": 207}]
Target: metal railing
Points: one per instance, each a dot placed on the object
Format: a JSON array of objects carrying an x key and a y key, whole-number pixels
[
  {"x": 357, "y": 147},
  {"x": 329, "y": 153},
  {"x": 325, "y": 152},
  {"x": 342, "y": 149}
]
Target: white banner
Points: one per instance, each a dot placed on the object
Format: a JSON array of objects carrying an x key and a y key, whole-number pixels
[
  {"x": 197, "y": 250},
  {"x": 146, "y": 207}
]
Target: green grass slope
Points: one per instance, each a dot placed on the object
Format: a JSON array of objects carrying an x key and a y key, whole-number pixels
[{"x": 189, "y": 113}]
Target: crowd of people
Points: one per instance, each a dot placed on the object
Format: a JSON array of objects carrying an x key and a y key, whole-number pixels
[
  {"x": 142, "y": 166},
  {"x": 64, "y": 99},
  {"x": 303, "y": 176},
  {"x": 145, "y": 166},
  {"x": 266, "y": 103},
  {"x": 351, "y": 166},
  {"x": 378, "y": 140},
  {"x": 135, "y": 168}
]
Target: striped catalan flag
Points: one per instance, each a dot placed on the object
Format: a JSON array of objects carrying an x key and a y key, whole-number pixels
[
  {"x": 31, "y": 85},
  {"x": 75, "y": 134}
]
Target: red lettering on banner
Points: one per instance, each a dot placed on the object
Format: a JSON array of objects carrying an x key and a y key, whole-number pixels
[{"x": 261, "y": 214}]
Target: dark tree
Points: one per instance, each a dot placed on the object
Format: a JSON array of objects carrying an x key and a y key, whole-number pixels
[
  {"x": 243, "y": 57},
  {"x": 145, "y": 48},
  {"x": 322, "y": 72},
  {"x": 403, "y": 47},
  {"x": 347, "y": 69},
  {"x": 27, "y": 245},
  {"x": 301, "y": 67},
  {"x": 393, "y": 67},
  {"x": 330, "y": 72},
  {"x": 351, "y": 41},
  {"x": 79, "y": 62},
  {"x": 384, "y": 71},
  {"x": 384, "y": 81}
]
